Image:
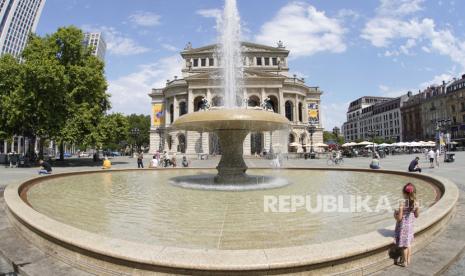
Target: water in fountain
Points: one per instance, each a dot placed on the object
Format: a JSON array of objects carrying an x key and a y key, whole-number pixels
[{"x": 230, "y": 53}]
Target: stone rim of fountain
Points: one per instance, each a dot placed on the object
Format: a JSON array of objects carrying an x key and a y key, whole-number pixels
[{"x": 76, "y": 245}]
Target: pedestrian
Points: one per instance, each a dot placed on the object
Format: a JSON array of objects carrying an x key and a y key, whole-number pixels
[
  {"x": 431, "y": 156},
  {"x": 173, "y": 161},
  {"x": 106, "y": 164},
  {"x": 436, "y": 157},
  {"x": 154, "y": 162},
  {"x": 405, "y": 218},
  {"x": 185, "y": 162},
  {"x": 140, "y": 158},
  {"x": 414, "y": 165},
  {"x": 45, "y": 167},
  {"x": 374, "y": 165}
]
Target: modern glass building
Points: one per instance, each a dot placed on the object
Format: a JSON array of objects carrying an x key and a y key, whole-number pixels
[
  {"x": 97, "y": 42},
  {"x": 18, "y": 18}
]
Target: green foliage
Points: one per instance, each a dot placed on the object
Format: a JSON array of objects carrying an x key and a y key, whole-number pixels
[
  {"x": 112, "y": 130},
  {"x": 329, "y": 136},
  {"x": 58, "y": 91},
  {"x": 141, "y": 122}
]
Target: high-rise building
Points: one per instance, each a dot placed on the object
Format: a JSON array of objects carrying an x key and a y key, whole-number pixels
[
  {"x": 18, "y": 18},
  {"x": 97, "y": 42}
]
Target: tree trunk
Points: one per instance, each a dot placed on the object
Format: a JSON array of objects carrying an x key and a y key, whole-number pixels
[
  {"x": 62, "y": 151},
  {"x": 41, "y": 149}
]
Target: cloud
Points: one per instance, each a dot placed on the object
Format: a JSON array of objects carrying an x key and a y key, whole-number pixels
[
  {"x": 348, "y": 13},
  {"x": 169, "y": 47},
  {"x": 117, "y": 43},
  {"x": 212, "y": 13},
  {"x": 386, "y": 91},
  {"x": 391, "y": 25},
  {"x": 304, "y": 30},
  {"x": 129, "y": 93},
  {"x": 145, "y": 19},
  {"x": 333, "y": 114}
]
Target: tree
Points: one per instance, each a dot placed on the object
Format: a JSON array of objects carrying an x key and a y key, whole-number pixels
[
  {"x": 112, "y": 130},
  {"x": 141, "y": 122},
  {"x": 58, "y": 91},
  {"x": 329, "y": 136},
  {"x": 12, "y": 75}
]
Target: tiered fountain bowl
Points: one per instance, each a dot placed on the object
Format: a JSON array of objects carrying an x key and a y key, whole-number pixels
[{"x": 232, "y": 126}]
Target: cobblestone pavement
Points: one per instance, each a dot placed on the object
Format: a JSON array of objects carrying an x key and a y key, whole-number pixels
[{"x": 454, "y": 171}]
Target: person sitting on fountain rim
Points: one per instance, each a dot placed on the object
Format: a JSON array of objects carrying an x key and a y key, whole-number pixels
[
  {"x": 45, "y": 167},
  {"x": 375, "y": 163},
  {"x": 414, "y": 165},
  {"x": 184, "y": 162},
  {"x": 106, "y": 164}
]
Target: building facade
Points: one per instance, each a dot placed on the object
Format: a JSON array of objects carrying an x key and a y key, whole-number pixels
[
  {"x": 456, "y": 106},
  {"x": 18, "y": 18},
  {"x": 97, "y": 43},
  {"x": 266, "y": 76},
  {"x": 359, "y": 117}
]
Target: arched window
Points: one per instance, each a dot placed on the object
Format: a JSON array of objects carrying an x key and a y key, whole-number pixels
[
  {"x": 198, "y": 104},
  {"x": 182, "y": 108},
  {"x": 181, "y": 143},
  {"x": 292, "y": 144},
  {"x": 300, "y": 112},
  {"x": 217, "y": 101},
  {"x": 169, "y": 141},
  {"x": 274, "y": 103},
  {"x": 171, "y": 113},
  {"x": 253, "y": 101},
  {"x": 256, "y": 143},
  {"x": 289, "y": 113}
]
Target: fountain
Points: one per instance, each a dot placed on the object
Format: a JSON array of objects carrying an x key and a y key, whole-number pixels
[
  {"x": 231, "y": 124},
  {"x": 136, "y": 222}
]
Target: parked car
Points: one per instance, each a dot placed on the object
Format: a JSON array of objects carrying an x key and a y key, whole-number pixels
[{"x": 84, "y": 154}]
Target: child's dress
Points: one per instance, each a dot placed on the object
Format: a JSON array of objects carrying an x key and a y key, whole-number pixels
[{"x": 404, "y": 228}]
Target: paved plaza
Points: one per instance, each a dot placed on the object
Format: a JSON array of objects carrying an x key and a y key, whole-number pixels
[{"x": 425, "y": 262}]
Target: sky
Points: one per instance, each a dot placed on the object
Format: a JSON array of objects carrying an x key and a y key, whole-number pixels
[{"x": 347, "y": 48}]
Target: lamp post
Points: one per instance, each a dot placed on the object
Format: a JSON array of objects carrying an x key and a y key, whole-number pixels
[
  {"x": 336, "y": 132},
  {"x": 135, "y": 133},
  {"x": 311, "y": 130},
  {"x": 373, "y": 133},
  {"x": 160, "y": 144}
]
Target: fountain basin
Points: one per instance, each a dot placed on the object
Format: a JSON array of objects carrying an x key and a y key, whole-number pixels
[{"x": 107, "y": 253}]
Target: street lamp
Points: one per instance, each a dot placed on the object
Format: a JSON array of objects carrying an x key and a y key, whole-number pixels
[
  {"x": 311, "y": 130},
  {"x": 373, "y": 133},
  {"x": 336, "y": 132},
  {"x": 135, "y": 133},
  {"x": 160, "y": 144}
]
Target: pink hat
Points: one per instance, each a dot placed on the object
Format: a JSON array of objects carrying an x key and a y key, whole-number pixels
[{"x": 409, "y": 188}]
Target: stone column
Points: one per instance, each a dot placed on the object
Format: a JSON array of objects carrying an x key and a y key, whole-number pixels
[
  {"x": 175, "y": 108},
  {"x": 19, "y": 144},
  {"x": 296, "y": 109},
  {"x": 282, "y": 109},
  {"x": 5, "y": 147},
  {"x": 263, "y": 95},
  {"x": 26, "y": 145},
  {"x": 190, "y": 101},
  {"x": 13, "y": 144}
]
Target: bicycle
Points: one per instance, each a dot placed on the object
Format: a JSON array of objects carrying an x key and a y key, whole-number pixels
[{"x": 335, "y": 161}]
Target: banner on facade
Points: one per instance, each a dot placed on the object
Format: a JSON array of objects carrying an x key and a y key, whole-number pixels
[
  {"x": 158, "y": 114},
  {"x": 313, "y": 113}
]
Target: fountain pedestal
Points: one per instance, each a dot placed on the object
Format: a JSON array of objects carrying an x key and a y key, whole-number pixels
[{"x": 232, "y": 167}]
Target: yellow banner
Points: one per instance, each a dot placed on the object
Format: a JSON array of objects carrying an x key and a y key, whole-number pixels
[
  {"x": 158, "y": 114},
  {"x": 313, "y": 113}
]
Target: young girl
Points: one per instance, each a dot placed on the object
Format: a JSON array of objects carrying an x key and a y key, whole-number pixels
[{"x": 405, "y": 217}]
